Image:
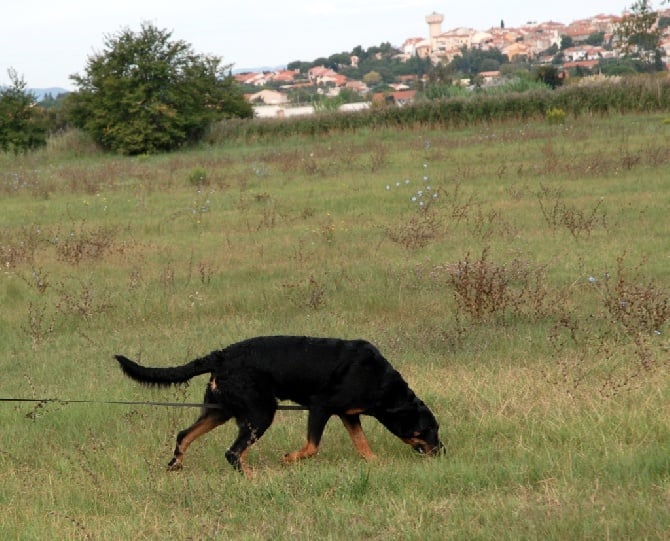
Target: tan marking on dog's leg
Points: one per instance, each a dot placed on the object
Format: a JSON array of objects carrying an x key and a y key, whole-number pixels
[
  {"x": 308, "y": 450},
  {"x": 358, "y": 438},
  {"x": 246, "y": 470},
  {"x": 200, "y": 427}
]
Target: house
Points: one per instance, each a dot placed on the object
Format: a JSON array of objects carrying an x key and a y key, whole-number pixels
[
  {"x": 399, "y": 98},
  {"x": 268, "y": 97},
  {"x": 517, "y": 51},
  {"x": 482, "y": 40},
  {"x": 254, "y": 78},
  {"x": 286, "y": 76},
  {"x": 416, "y": 47},
  {"x": 584, "y": 64},
  {"x": 449, "y": 44},
  {"x": 580, "y": 30},
  {"x": 489, "y": 76},
  {"x": 583, "y": 52},
  {"x": 357, "y": 86},
  {"x": 317, "y": 74}
]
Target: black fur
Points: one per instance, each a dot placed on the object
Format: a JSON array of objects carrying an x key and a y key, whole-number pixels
[{"x": 328, "y": 376}]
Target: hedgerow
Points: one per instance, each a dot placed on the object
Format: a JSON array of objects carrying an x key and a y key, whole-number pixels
[{"x": 628, "y": 95}]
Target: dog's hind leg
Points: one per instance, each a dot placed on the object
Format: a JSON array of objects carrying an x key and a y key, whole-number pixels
[
  {"x": 353, "y": 425},
  {"x": 207, "y": 421},
  {"x": 316, "y": 422},
  {"x": 250, "y": 431}
]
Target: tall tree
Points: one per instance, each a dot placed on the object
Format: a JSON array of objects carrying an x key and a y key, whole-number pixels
[
  {"x": 20, "y": 124},
  {"x": 148, "y": 93},
  {"x": 638, "y": 35}
]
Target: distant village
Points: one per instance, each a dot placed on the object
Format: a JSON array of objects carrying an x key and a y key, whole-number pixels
[{"x": 531, "y": 43}]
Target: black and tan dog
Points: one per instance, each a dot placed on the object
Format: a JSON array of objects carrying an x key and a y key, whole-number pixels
[{"x": 328, "y": 376}]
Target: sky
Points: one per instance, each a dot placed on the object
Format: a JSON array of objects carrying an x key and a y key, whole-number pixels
[{"x": 47, "y": 41}]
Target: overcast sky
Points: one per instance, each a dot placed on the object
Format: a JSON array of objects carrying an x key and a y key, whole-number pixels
[{"x": 46, "y": 41}]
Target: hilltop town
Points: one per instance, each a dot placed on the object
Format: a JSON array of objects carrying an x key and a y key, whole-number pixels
[{"x": 583, "y": 45}]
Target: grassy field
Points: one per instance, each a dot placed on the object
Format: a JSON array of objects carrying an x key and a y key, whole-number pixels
[{"x": 517, "y": 275}]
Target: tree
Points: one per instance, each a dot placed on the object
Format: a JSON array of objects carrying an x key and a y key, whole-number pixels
[
  {"x": 549, "y": 75},
  {"x": 596, "y": 39},
  {"x": 21, "y": 128},
  {"x": 372, "y": 78},
  {"x": 470, "y": 62},
  {"x": 566, "y": 42},
  {"x": 147, "y": 93},
  {"x": 639, "y": 37}
]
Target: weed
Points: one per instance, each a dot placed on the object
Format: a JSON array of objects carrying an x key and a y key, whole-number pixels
[
  {"x": 637, "y": 304},
  {"x": 84, "y": 243},
  {"x": 19, "y": 248},
  {"x": 39, "y": 279},
  {"x": 378, "y": 158},
  {"x": 310, "y": 293},
  {"x": 483, "y": 288},
  {"x": 622, "y": 340},
  {"x": 424, "y": 224},
  {"x": 167, "y": 279},
  {"x": 205, "y": 271},
  {"x": 84, "y": 299},
  {"x": 135, "y": 279},
  {"x": 80, "y": 529},
  {"x": 39, "y": 326},
  {"x": 201, "y": 205},
  {"x": 557, "y": 213},
  {"x": 418, "y": 231}
]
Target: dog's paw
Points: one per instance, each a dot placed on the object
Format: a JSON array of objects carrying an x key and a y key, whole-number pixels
[
  {"x": 289, "y": 458},
  {"x": 175, "y": 465}
]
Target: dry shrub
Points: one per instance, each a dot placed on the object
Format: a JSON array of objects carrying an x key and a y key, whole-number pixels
[
  {"x": 637, "y": 304},
  {"x": 82, "y": 243},
  {"x": 81, "y": 298},
  {"x": 418, "y": 231},
  {"x": 558, "y": 214},
  {"x": 308, "y": 293},
  {"x": 19, "y": 247},
  {"x": 483, "y": 288}
]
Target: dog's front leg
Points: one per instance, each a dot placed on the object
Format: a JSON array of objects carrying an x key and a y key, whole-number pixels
[
  {"x": 352, "y": 423},
  {"x": 316, "y": 422}
]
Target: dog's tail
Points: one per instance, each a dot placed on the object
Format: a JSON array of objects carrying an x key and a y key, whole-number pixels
[{"x": 163, "y": 377}]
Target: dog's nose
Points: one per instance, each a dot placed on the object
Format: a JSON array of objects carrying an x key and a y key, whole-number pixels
[{"x": 440, "y": 449}]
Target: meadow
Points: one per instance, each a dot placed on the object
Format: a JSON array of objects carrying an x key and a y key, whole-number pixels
[{"x": 516, "y": 273}]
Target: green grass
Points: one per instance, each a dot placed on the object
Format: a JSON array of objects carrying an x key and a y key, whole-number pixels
[{"x": 527, "y": 304}]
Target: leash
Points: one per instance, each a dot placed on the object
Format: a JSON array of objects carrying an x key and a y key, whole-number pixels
[{"x": 288, "y": 407}]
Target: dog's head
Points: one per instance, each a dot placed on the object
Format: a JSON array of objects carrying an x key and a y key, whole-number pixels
[
  {"x": 419, "y": 428},
  {"x": 412, "y": 421}
]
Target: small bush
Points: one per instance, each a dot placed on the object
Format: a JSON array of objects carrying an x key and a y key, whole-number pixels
[
  {"x": 197, "y": 176},
  {"x": 556, "y": 115}
]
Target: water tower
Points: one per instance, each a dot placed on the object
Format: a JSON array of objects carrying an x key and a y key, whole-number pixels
[{"x": 434, "y": 21}]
